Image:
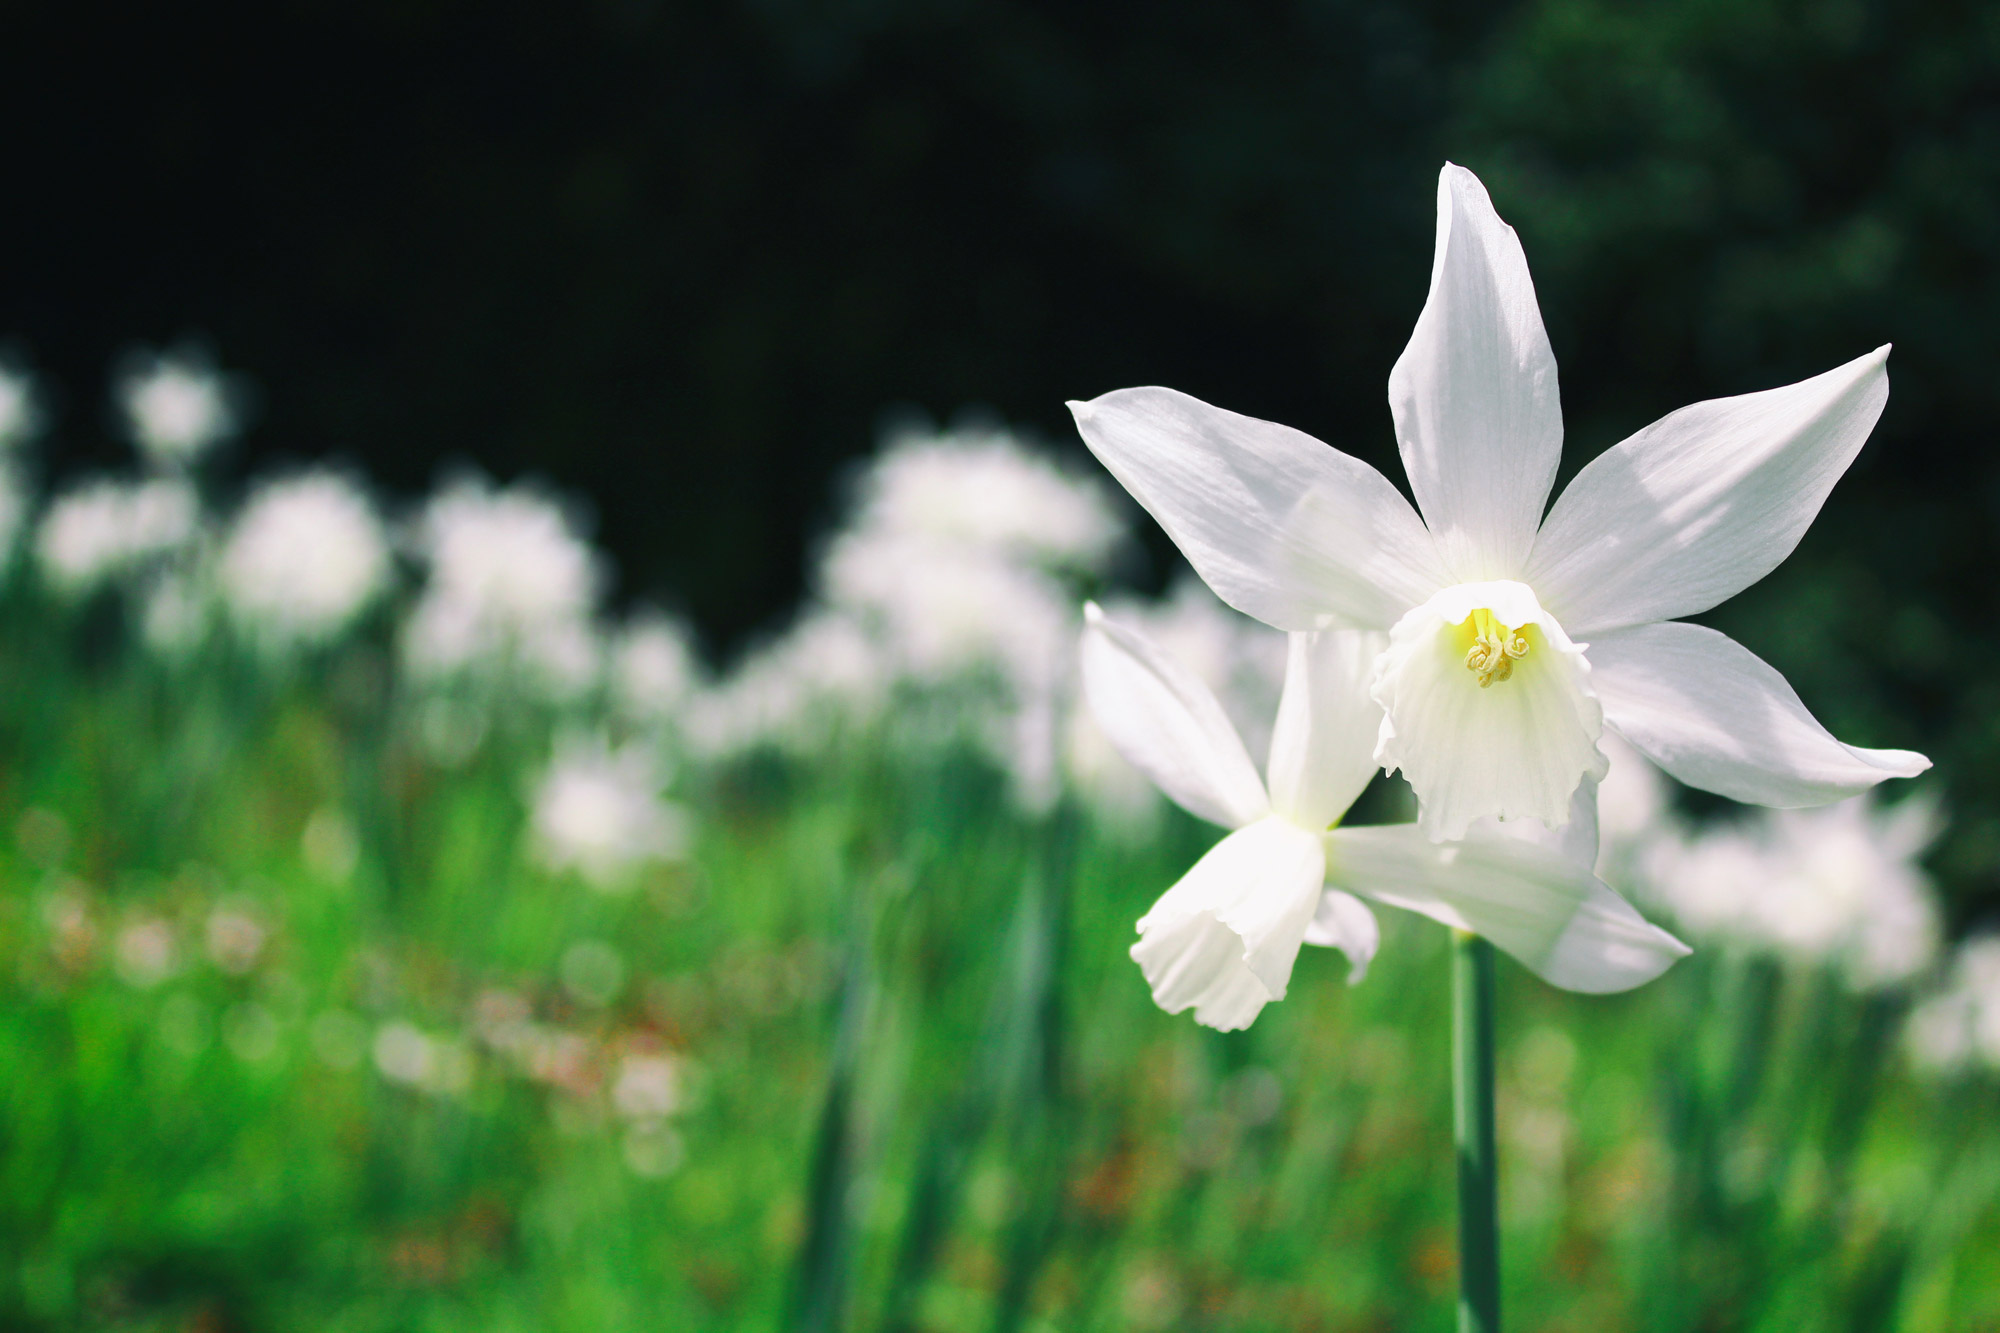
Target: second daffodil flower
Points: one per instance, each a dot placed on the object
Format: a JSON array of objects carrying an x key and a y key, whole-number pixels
[
  {"x": 1223, "y": 940},
  {"x": 1514, "y": 640}
]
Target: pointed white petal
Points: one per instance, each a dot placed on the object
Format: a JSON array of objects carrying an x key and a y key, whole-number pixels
[
  {"x": 1225, "y": 937},
  {"x": 1715, "y": 715},
  {"x": 1702, "y": 503},
  {"x": 1515, "y": 748},
  {"x": 1474, "y": 394},
  {"x": 1284, "y": 528},
  {"x": 1344, "y": 922},
  {"x": 1168, "y": 725},
  {"x": 1535, "y": 903},
  {"x": 1323, "y": 746}
]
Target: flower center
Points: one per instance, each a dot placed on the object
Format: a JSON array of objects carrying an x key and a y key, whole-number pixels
[{"x": 1494, "y": 648}]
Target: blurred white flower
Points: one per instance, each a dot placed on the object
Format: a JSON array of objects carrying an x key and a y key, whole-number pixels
[
  {"x": 1839, "y": 885},
  {"x": 21, "y": 412},
  {"x": 236, "y": 939},
  {"x": 599, "y": 812},
  {"x": 510, "y": 581},
  {"x": 648, "y": 1086},
  {"x": 984, "y": 490},
  {"x": 654, "y": 670},
  {"x": 145, "y": 952},
  {"x": 1959, "y": 1026},
  {"x": 104, "y": 529},
  {"x": 306, "y": 556},
  {"x": 406, "y": 1054},
  {"x": 795, "y": 693},
  {"x": 943, "y": 611},
  {"x": 176, "y": 406}
]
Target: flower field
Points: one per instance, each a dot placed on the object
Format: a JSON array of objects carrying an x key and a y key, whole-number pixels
[{"x": 395, "y": 937}]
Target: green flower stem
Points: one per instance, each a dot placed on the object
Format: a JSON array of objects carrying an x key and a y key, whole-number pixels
[{"x": 1472, "y": 1128}]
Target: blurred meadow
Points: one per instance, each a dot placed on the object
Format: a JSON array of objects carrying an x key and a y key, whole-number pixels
[{"x": 542, "y": 783}]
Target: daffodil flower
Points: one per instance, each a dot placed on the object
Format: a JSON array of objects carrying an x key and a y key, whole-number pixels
[
  {"x": 1223, "y": 939},
  {"x": 1493, "y": 702}
]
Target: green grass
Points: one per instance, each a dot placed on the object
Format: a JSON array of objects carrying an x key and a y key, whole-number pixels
[{"x": 1016, "y": 1137}]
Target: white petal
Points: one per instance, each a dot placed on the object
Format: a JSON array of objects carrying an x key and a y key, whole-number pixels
[
  {"x": 1535, "y": 903},
  {"x": 1474, "y": 394},
  {"x": 1168, "y": 725},
  {"x": 1702, "y": 503},
  {"x": 1715, "y": 715},
  {"x": 1225, "y": 937},
  {"x": 1576, "y": 839},
  {"x": 1516, "y": 748},
  {"x": 1284, "y": 528},
  {"x": 1323, "y": 746},
  {"x": 1344, "y": 922}
]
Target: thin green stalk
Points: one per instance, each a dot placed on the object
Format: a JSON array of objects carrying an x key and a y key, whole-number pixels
[{"x": 1472, "y": 1128}]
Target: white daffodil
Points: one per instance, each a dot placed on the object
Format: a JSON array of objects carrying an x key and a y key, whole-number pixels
[
  {"x": 1494, "y": 703},
  {"x": 1223, "y": 939}
]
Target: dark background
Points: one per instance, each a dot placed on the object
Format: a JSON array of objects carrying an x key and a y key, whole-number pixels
[{"x": 684, "y": 258}]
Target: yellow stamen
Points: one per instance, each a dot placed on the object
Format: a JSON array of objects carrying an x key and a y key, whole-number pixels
[{"x": 1495, "y": 648}]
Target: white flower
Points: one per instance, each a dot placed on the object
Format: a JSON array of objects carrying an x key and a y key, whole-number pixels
[
  {"x": 306, "y": 556},
  {"x": 1514, "y": 641},
  {"x": 1839, "y": 886},
  {"x": 654, "y": 670},
  {"x": 105, "y": 528},
  {"x": 1223, "y": 939},
  {"x": 176, "y": 407},
  {"x": 599, "y": 812},
  {"x": 510, "y": 581}
]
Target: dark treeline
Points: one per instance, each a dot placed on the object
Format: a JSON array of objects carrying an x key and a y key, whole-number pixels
[{"x": 683, "y": 258}]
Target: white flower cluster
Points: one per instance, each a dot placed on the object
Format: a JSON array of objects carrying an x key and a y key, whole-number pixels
[
  {"x": 511, "y": 582},
  {"x": 951, "y": 573},
  {"x": 107, "y": 529}
]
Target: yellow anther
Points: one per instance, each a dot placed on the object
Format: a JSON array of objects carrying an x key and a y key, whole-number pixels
[{"x": 1495, "y": 647}]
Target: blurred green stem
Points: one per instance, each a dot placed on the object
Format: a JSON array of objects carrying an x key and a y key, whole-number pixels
[{"x": 1472, "y": 1127}]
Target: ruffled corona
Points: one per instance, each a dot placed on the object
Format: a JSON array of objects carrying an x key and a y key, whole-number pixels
[{"x": 1469, "y": 749}]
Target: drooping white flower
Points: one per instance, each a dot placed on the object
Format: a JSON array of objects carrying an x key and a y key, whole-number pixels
[
  {"x": 1839, "y": 886},
  {"x": 511, "y": 583},
  {"x": 177, "y": 406},
  {"x": 104, "y": 529},
  {"x": 1223, "y": 940},
  {"x": 599, "y": 812},
  {"x": 305, "y": 557},
  {"x": 1515, "y": 641}
]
